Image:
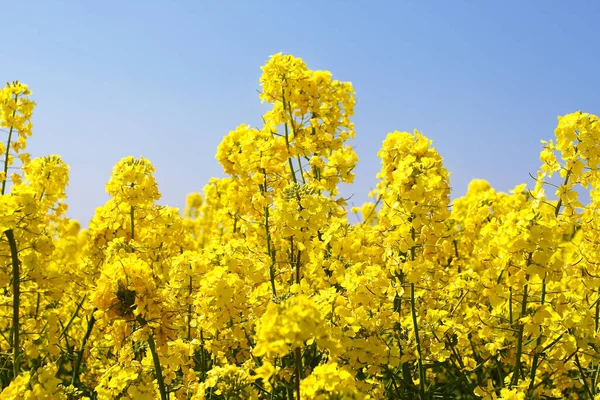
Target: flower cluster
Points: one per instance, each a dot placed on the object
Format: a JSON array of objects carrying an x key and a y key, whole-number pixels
[{"x": 264, "y": 287}]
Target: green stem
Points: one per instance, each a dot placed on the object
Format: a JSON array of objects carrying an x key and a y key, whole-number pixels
[
  {"x": 418, "y": 340},
  {"x": 16, "y": 285},
  {"x": 189, "y": 311},
  {"x": 500, "y": 373},
  {"x": 131, "y": 216},
  {"x": 595, "y": 381},
  {"x": 202, "y": 358},
  {"x": 298, "y": 266},
  {"x": 273, "y": 389},
  {"x": 287, "y": 139},
  {"x": 459, "y": 360},
  {"x": 413, "y": 311},
  {"x": 270, "y": 251},
  {"x": 37, "y": 305},
  {"x": 298, "y": 359},
  {"x": 157, "y": 368},
  {"x": 291, "y": 164},
  {"x": 596, "y": 321},
  {"x": 72, "y": 317},
  {"x": 538, "y": 343},
  {"x": 88, "y": 332},
  {"x": 510, "y": 305},
  {"x": 368, "y": 217},
  {"x": 301, "y": 170},
  {"x": 405, "y": 368},
  {"x": 559, "y": 203},
  {"x": 581, "y": 372},
  {"x": 517, "y": 371}
]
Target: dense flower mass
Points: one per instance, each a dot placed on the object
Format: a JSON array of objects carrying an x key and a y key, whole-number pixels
[{"x": 263, "y": 288}]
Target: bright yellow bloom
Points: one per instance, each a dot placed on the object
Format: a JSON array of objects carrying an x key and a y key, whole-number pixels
[{"x": 263, "y": 287}]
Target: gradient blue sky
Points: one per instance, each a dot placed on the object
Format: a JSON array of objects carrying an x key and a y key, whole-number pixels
[{"x": 485, "y": 80}]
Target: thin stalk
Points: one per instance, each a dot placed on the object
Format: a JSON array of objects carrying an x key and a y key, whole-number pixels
[
  {"x": 298, "y": 359},
  {"x": 270, "y": 251},
  {"x": 479, "y": 359},
  {"x": 597, "y": 316},
  {"x": 131, "y": 216},
  {"x": 595, "y": 380},
  {"x": 287, "y": 139},
  {"x": 373, "y": 210},
  {"x": 299, "y": 253},
  {"x": 461, "y": 364},
  {"x": 413, "y": 310},
  {"x": 547, "y": 378},
  {"x": 291, "y": 164},
  {"x": 585, "y": 383},
  {"x": 559, "y": 203},
  {"x": 189, "y": 311},
  {"x": 406, "y": 375},
  {"x": 88, "y": 332},
  {"x": 292, "y": 261},
  {"x": 16, "y": 285},
  {"x": 298, "y": 266},
  {"x": 157, "y": 368},
  {"x": 418, "y": 340},
  {"x": 517, "y": 371},
  {"x": 455, "y": 248},
  {"x": 500, "y": 374},
  {"x": 456, "y": 254},
  {"x": 461, "y": 376},
  {"x": 301, "y": 170},
  {"x": 538, "y": 343},
  {"x": 202, "y": 358},
  {"x": 392, "y": 377},
  {"x": 72, "y": 317},
  {"x": 510, "y": 305},
  {"x": 274, "y": 377},
  {"x": 37, "y": 305}
]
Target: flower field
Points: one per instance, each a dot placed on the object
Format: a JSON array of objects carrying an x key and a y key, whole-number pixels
[{"x": 262, "y": 288}]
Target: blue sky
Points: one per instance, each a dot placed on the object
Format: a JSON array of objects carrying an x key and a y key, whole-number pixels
[{"x": 485, "y": 80}]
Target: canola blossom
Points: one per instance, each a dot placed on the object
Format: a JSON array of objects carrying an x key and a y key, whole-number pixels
[{"x": 263, "y": 288}]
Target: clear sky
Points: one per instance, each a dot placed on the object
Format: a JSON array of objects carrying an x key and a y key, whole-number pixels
[{"x": 485, "y": 80}]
